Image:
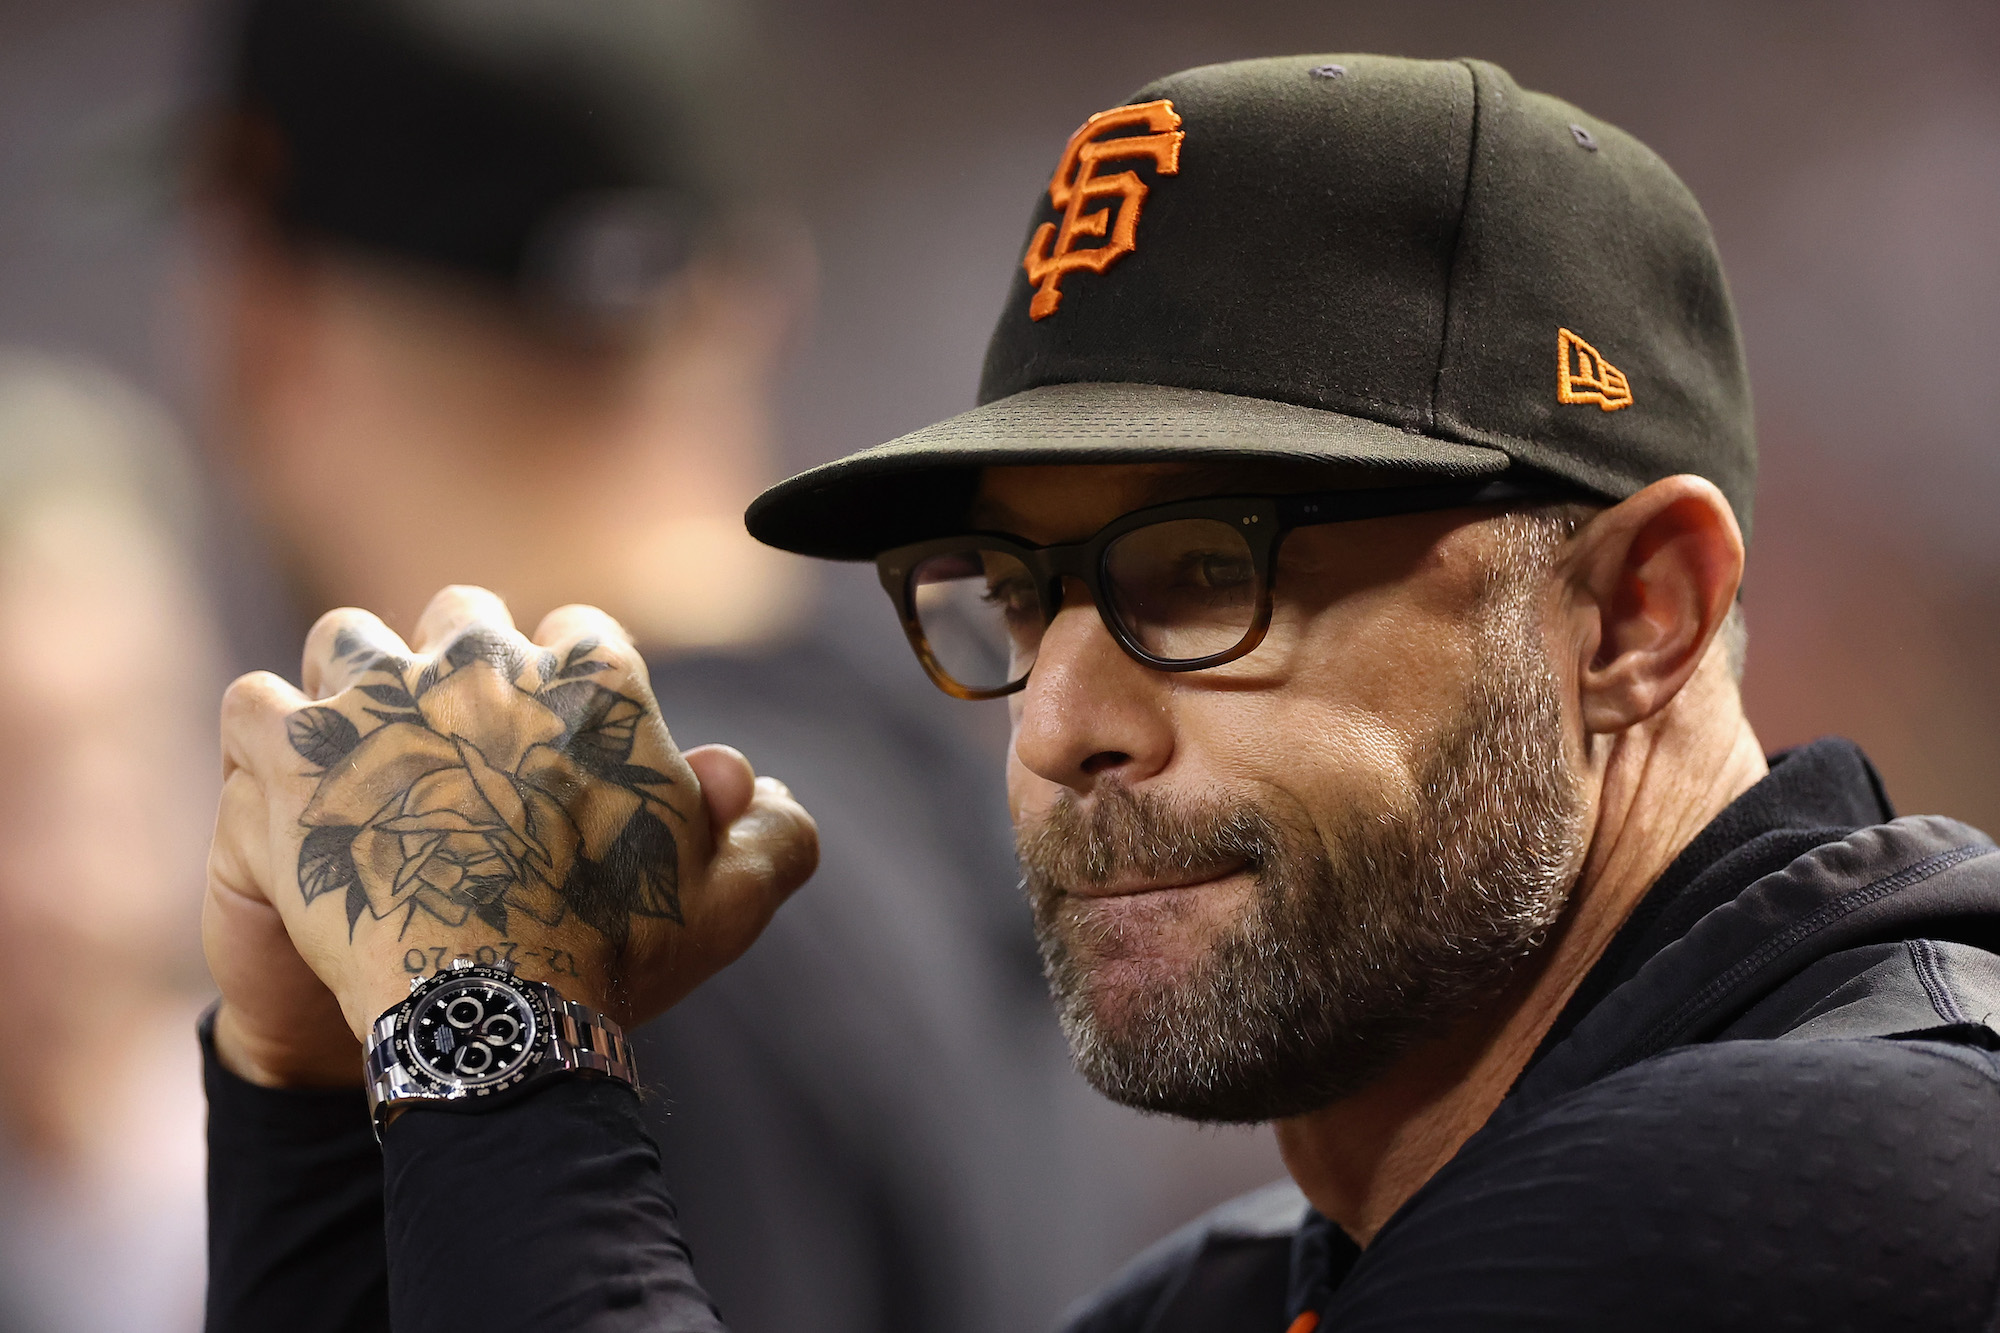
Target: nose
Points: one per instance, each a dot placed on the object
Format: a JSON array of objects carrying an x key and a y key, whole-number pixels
[{"x": 1089, "y": 711}]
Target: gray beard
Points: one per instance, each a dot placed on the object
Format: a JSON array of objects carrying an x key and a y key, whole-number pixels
[{"x": 1358, "y": 944}]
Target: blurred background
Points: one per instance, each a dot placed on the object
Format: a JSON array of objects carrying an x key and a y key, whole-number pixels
[{"x": 1848, "y": 155}]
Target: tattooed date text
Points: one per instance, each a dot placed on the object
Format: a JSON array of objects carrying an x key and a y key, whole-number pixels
[{"x": 419, "y": 962}]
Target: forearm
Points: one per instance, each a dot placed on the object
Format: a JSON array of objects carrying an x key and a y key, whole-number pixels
[
  {"x": 294, "y": 1208},
  {"x": 546, "y": 1214}
]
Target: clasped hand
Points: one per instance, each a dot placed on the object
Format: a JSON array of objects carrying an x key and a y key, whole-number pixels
[{"x": 485, "y": 796}]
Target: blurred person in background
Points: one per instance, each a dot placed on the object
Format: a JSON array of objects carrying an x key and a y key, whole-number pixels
[
  {"x": 100, "y": 849},
  {"x": 525, "y": 251}
]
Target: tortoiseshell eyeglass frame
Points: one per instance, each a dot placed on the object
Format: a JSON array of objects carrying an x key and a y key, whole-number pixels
[{"x": 1264, "y": 521}]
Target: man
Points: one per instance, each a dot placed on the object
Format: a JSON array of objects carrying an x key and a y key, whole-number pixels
[
  {"x": 520, "y": 253},
  {"x": 100, "y": 1182},
  {"x": 1354, "y": 520}
]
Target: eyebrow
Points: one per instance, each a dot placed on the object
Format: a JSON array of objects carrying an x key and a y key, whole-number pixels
[
  {"x": 1196, "y": 481},
  {"x": 986, "y": 513}
]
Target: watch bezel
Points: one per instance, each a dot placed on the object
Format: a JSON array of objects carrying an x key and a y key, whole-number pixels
[{"x": 427, "y": 1085}]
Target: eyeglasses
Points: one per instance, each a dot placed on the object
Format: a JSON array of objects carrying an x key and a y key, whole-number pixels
[{"x": 1181, "y": 586}]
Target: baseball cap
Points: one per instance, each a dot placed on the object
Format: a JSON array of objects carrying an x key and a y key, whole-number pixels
[
  {"x": 1415, "y": 271},
  {"x": 572, "y": 153}
]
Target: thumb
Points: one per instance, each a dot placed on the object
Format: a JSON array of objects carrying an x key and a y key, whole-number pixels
[
  {"x": 728, "y": 783},
  {"x": 759, "y": 857},
  {"x": 766, "y": 852}
]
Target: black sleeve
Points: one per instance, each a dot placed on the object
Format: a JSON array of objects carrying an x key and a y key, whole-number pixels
[
  {"x": 549, "y": 1213},
  {"x": 1753, "y": 1185},
  {"x": 546, "y": 1214},
  {"x": 294, "y": 1208}
]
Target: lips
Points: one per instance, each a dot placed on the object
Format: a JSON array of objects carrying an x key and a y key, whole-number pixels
[{"x": 1127, "y": 886}]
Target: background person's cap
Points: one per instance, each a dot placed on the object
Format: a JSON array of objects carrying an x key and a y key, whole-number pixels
[
  {"x": 572, "y": 153},
  {"x": 1413, "y": 270}
]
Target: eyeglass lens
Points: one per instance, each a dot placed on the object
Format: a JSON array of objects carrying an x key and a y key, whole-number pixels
[
  {"x": 1184, "y": 589},
  {"x": 980, "y": 616},
  {"x": 1181, "y": 590}
]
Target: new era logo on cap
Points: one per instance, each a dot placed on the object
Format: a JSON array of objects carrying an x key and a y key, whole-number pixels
[{"x": 1584, "y": 376}]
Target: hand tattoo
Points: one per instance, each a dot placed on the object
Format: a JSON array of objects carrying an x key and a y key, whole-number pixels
[{"x": 498, "y": 781}]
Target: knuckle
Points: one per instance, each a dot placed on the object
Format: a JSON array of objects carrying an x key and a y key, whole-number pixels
[
  {"x": 484, "y": 642},
  {"x": 804, "y": 841},
  {"x": 252, "y": 707},
  {"x": 613, "y": 664},
  {"x": 628, "y": 670},
  {"x": 250, "y": 694},
  {"x": 332, "y": 622},
  {"x": 350, "y": 640},
  {"x": 459, "y": 604},
  {"x": 464, "y": 600},
  {"x": 784, "y": 841},
  {"x": 583, "y": 619}
]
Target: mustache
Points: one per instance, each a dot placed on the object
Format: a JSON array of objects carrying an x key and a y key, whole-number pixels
[{"x": 1125, "y": 833}]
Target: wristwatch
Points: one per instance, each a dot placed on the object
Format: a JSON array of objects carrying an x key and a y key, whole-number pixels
[{"x": 476, "y": 1036}]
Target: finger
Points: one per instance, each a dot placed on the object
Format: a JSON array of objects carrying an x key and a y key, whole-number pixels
[
  {"x": 576, "y": 622},
  {"x": 239, "y": 855},
  {"x": 770, "y": 849},
  {"x": 457, "y": 609},
  {"x": 255, "y": 963},
  {"x": 580, "y": 632},
  {"x": 255, "y": 711},
  {"x": 343, "y": 646},
  {"x": 728, "y": 783}
]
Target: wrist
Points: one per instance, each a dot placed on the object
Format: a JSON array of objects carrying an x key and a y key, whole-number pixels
[
  {"x": 330, "y": 1061},
  {"x": 385, "y": 985},
  {"x": 477, "y": 1035}
]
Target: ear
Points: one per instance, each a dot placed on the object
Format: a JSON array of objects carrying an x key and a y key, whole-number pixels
[{"x": 1651, "y": 580}]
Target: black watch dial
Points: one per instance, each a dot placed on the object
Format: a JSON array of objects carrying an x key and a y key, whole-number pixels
[{"x": 472, "y": 1031}]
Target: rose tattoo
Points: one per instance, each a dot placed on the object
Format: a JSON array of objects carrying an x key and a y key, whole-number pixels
[{"x": 497, "y": 781}]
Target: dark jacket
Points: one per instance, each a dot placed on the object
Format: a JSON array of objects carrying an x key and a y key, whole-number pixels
[{"x": 1774, "y": 1103}]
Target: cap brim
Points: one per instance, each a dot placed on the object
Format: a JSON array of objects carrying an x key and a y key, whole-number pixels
[{"x": 920, "y": 485}]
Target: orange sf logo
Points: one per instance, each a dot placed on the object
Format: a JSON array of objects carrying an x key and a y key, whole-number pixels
[{"x": 1076, "y": 185}]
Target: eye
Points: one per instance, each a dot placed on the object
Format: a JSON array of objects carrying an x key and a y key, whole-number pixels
[
  {"x": 1014, "y": 595},
  {"x": 1217, "y": 570}
]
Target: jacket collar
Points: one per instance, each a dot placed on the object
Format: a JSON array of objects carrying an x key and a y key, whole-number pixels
[{"x": 1815, "y": 794}]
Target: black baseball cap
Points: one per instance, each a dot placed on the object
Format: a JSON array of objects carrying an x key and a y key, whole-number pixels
[
  {"x": 574, "y": 152},
  {"x": 1409, "y": 271}
]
